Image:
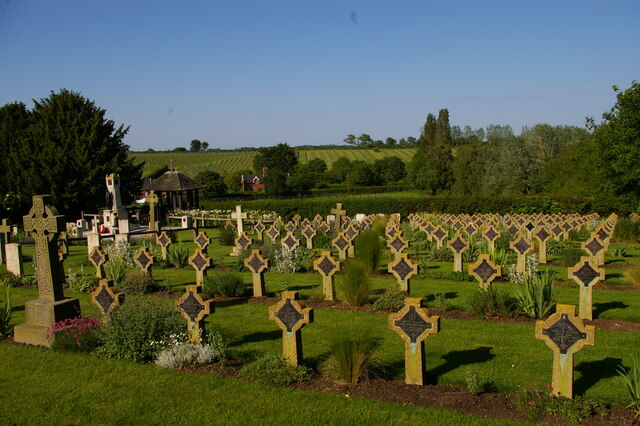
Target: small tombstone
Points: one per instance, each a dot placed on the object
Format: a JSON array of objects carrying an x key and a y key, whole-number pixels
[
  {"x": 45, "y": 224},
  {"x": 243, "y": 242},
  {"x": 323, "y": 227},
  {"x": 144, "y": 259},
  {"x": 557, "y": 232},
  {"x": 440, "y": 235},
  {"x": 491, "y": 235},
  {"x": 13, "y": 252},
  {"x": 304, "y": 223},
  {"x": 309, "y": 233},
  {"x": 202, "y": 240},
  {"x": 485, "y": 271},
  {"x": 339, "y": 213},
  {"x": 351, "y": 232},
  {"x": 98, "y": 258},
  {"x": 327, "y": 266},
  {"x": 403, "y": 269},
  {"x": 522, "y": 246},
  {"x": 428, "y": 228},
  {"x": 414, "y": 325},
  {"x": 397, "y": 244},
  {"x": 93, "y": 240},
  {"x": 565, "y": 334},
  {"x": 273, "y": 233},
  {"x": 290, "y": 242},
  {"x": 153, "y": 200},
  {"x": 542, "y": 235},
  {"x": 342, "y": 243},
  {"x": 346, "y": 220},
  {"x": 470, "y": 230},
  {"x": 257, "y": 264},
  {"x": 105, "y": 296},
  {"x": 595, "y": 249},
  {"x": 194, "y": 309},
  {"x": 290, "y": 227},
  {"x": 164, "y": 241},
  {"x": 200, "y": 262},
  {"x": 316, "y": 220},
  {"x": 290, "y": 316},
  {"x": 296, "y": 219},
  {"x": 259, "y": 228},
  {"x": 586, "y": 274},
  {"x": 238, "y": 215},
  {"x": 458, "y": 245},
  {"x": 390, "y": 230}
]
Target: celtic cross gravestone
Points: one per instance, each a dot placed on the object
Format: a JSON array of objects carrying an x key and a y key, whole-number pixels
[
  {"x": 290, "y": 316},
  {"x": 327, "y": 266},
  {"x": 256, "y": 264},
  {"x": 194, "y": 310}
]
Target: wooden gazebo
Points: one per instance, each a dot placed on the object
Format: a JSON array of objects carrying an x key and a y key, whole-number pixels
[{"x": 176, "y": 190}]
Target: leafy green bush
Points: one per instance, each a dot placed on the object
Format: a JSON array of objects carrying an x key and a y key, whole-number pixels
[
  {"x": 224, "y": 283},
  {"x": 535, "y": 295},
  {"x": 501, "y": 257},
  {"x": 369, "y": 247},
  {"x": 440, "y": 301},
  {"x": 177, "y": 255},
  {"x": 82, "y": 283},
  {"x": 6, "y": 313},
  {"x": 130, "y": 328},
  {"x": 539, "y": 400},
  {"x": 273, "y": 369},
  {"x": 7, "y": 279},
  {"x": 631, "y": 380},
  {"x": 227, "y": 235},
  {"x": 75, "y": 335},
  {"x": 354, "y": 283},
  {"x": 492, "y": 302},
  {"x": 136, "y": 282},
  {"x": 570, "y": 257},
  {"x": 555, "y": 248},
  {"x": 632, "y": 276},
  {"x": 353, "y": 356},
  {"x": 391, "y": 300},
  {"x": 322, "y": 241},
  {"x": 627, "y": 230},
  {"x": 443, "y": 254}
]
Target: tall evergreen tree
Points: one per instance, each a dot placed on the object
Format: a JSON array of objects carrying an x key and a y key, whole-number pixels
[
  {"x": 428, "y": 136},
  {"x": 443, "y": 128},
  {"x": 430, "y": 168}
]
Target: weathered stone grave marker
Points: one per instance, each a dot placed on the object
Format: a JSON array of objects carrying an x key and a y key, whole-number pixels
[
  {"x": 203, "y": 241},
  {"x": 403, "y": 269},
  {"x": 342, "y": 243},
  {"x": 164, "y": 241},
  {"x": 542, "y": 235},
  {"x": 594, "y": 248},
  {"x": 309, "y": 233},
  {"x": 586, "y": 274},
  {"x": 259, "y": 228},
  {"x": 414, "y": 325},
  {"x": 144, "y": 259},
  {"x": 290, "y": 227},
  {"x": 397, "y": 244},
  {"x": 339, "y": 213},
  {"x": 98, "y": 258},
  {"x": 522, "y": 246},
  {"x": 238, "y": 215},
  {"x": 290, "y": 242},
  {"x": 256, "y": 264},
  {"x": 485, "y": 271},
  {"x": 273, "y": 233},
  {"x": 491, "y": 235},
  {"x": 13, "y": 252},
  {"x": 323, "y": 227},
  {"x": 565, "y": 334},
  {"x": 290, "y": 316},
  {"x": 200, "y": 262},
  {"x": 5, "y": 230},
  {"x": 242, "y": 243},
  {"x": 458, "y": 245},
  {"x": 45, "y": 224},
  {"x": 327, "y": 266},
  {"x": 105, "y": 296},
  {"x": 195, "y": 309}
]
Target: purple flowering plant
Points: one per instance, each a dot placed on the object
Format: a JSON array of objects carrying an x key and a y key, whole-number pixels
[{"x": 74, "y": 334}]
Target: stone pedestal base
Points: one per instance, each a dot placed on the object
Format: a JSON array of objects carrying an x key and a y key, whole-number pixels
[{"x": 41, "y": 314}]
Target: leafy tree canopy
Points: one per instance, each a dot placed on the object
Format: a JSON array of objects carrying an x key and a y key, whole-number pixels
[
  {"x": 281, "y": 157},
  {"x": 215, "y": 185}
]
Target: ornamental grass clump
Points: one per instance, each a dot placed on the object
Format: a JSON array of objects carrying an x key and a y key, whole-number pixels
[
  {"x": 225, "y": 284},
  {"x": 631, "y": 380},
  {"x": 74, "y": 335},
  {"x": 353, "y": 357},
  {"x": 632, "y": 276},
  {"x": 492, "y": 302},
  {"x": 369, "y": 248},
  {"x": 6, "y": 313},
  {"x": 177, "y": 255},
  {"x": 354, "y": 283},
  {"x": 535, "y": 295}
]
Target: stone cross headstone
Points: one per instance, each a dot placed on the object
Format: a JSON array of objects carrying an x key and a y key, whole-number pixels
[
  {"x": 458, "y": 245},
  {"x": 440, "y": 235},
  {"x": 195, "y": 309},
  {"x": 595, "y": 249},
  {"x": 144, "y": 259},
  {"x": 403, "y": 269},
  {"x": 491, "y": 235},
  {"x": 259, "y": 228},
  {"x": 342, "y": 243},
  {"x": 290, "y": 242},
  {"x": 200, "y": 262},
  {"x": 243, "y": 242},
  {"x": 290, "y": 227},
  {"x": 152, "y": 199},
  {"x": 13, "y": 252},
  {"x": 164, "y": 241},
  {"x": 485, "y": 271},
  {"x": 414, "y": 325},
  {"x": 256, "y": 264},
  {"x": 339, "y": 213},
  {"x": 273, "y": 233},
  {"x": 522, "y": 246},
  {"x": 106, "y": 297},
  {"x": 327, "y": 266},
  {"x": 565, "y": 334},
  {"x": 98, "y": 258},
  {"x": 542, "y": 235},
  {"x": 202, "y": 240},
  {"x": 45, "y": 224},
  {"x": 238, "y": 215},
  {"x": 309, "y": 233},
  {"x": 397, "y": 244},
  {"x": 290, "y": 316},
  {"x": 586, "y": 274},
  {"x": 323, "y": 227}
]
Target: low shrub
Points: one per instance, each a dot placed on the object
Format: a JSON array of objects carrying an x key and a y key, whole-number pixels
[
  {"x": 130, "y": 328},
  {"x": 391, "y": 300},
  {"x": 632, "y": 276},
  {"x": 618, "y": 251},
  {"x": 555, "y": 247},
  {"x": 225, "y": 284},
  {"x": 82, "y": 283},
  {"x": 274, "y": 369},
  {"x": 570, "y": 257},
  {"x": 181, "y": 354},
  {"x": 322, "y": 241},
  {"x": 136, "y": 282},
  {"x": 442, "y": 254},
  {"x": 440, "y": 301},
  {"x": 475, "y": 384},
  {"x": 177, "y": 255},
  {"x": 540, "y": 399},
  {"x": 7, "y": 279},
  {"x": 443, "y": 275},
  {"x": 492, "y": 302},
  {"x": 227, "y": 235},
  {"x": 627, "y": 230},
  {"x": 6, "y": 313},
  {"x": 74, "y": 335},
  {"x": 535, "y": 295},
  {"x": 353, "y": 357},
  {"x": 354, "y": 283}
]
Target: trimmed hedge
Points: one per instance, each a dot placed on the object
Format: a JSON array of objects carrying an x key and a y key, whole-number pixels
[{"x": 381, "y": 203}]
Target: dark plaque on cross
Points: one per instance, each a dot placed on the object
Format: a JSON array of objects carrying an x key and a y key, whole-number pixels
[
  {"x": 602, "y": 234},
  {"x": 191, "y": 306},
  {"x": 522, "y": 245},
  {"x": 412, "y": 324},
  {"x": 341, "y": 242},
  {"x": 289, "y": 315},
  {"x": 542, "y": 235},
  {"x": 458, "y": 245},
  {"x": 202, "y": 240},
  {"x": 593, "y": 246},
  {"x": 439, "y": 233},
  {"x": 491, "y": 234},
  {"x": 255, "y": 263},
  {"x": 485, "y": 270},
  {"x": 564, "y": 334}
]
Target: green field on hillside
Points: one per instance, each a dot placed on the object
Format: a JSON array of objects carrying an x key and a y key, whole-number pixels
[{"x": 229, "y": 161}]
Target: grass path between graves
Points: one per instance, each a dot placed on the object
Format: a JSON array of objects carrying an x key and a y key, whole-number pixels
[{"x": 40, "y": 386}]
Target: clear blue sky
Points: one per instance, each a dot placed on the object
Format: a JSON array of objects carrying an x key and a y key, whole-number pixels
[{"x": 255, "y": 73}]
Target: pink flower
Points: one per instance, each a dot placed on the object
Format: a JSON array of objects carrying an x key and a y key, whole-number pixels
[{"x": 531, "y": 403}]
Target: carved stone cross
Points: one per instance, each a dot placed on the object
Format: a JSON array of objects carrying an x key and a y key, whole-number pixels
[
  {"x": 522, "y": 246},
  {"x": 290, "y": 316},
  {"x": 397, "y": 244},
  {"x": 256, "y": 264},
  {"x": 273, "y": 233},
  {"x": 290, "y": 242},
  {"x": 164, "y": 241},
  {"x": 414, "y": 325},
  {"x": 327, "y": 266},
  {"x": 200, "y": 261},
  {"x": 440, "y": 235},
  {"x": 542, "y": 235},
  {"x": 144, "y": 259},
  {"x": 309, "y": 233},
  {"x": 565, "y": 334},
  {"x": 259, "y": 228},
  {"x": 586, "y": 274},
  {"x": 243, "y": 242},
  {"x": 152, "y": 199},
  {"x": 491, "y": 235},
  {"x": 106, "y": 297},
  {"x": 238, "y": 215},
  {"x": 485, "y": 271},
  {"x": 342, "y": 243},
  {"x": 202, "y": 240},
  {"x": 5, "y": 230},
  {"x": 595, "y": 248},
  {"x": 194, "y": 310},
  {"x": 339, "y": 213},
  {"x": 403, "y": 269},
  {"x": 458, "y": 245},
  {"x": 98, "y": 258}
]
